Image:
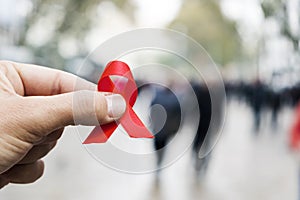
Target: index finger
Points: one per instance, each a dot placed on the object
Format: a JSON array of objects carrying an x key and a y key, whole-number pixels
[{"x": 38, "y": 80}]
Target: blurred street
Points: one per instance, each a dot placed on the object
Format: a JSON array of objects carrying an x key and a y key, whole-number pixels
[
  {"x": 254, "y": 47},
  {"x": 242, "y": 167}
]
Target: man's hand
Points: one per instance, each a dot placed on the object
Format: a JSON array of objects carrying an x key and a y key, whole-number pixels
[{"x": 36, "y": 103}]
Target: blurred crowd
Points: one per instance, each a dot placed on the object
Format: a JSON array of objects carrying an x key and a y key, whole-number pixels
[{"x": 261, "y": 97}]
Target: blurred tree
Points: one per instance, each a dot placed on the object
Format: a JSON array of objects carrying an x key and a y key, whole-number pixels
[
  {"x": 204, "y": 21},
  {"x": 68, "y": 18},
  {"x": 278, "y": 10}
]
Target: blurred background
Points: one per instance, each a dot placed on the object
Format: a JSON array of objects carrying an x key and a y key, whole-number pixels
[{"x": 255, "y": 44}]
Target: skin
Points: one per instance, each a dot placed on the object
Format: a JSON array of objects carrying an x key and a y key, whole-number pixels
[{"x": 35, "y": 106}]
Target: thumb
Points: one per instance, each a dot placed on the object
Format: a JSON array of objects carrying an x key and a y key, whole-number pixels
[{"x": 75, "y": 108}]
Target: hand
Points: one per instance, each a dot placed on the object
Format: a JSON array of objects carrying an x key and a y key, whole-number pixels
[{"x": 36, "y": 103}]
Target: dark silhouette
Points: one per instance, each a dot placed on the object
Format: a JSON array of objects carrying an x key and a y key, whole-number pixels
[
  {"x": 261, "y": 97},
  {"x": 256, "y": 100},
  {"x": 167, "y": 128}
]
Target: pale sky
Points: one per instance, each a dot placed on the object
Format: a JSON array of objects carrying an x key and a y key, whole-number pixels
[{"x": 156, "y": 13}]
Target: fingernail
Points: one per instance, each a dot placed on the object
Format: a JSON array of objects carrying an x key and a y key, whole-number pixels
[{"x": 116, "y": 105}]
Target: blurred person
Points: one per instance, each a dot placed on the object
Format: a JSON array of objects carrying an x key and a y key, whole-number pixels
[
  {"x": 256, "y": 99},
  {"x": 36, "y": 103},
  {"x": 275, "y": 104},
  {"x": 167, "y": 126},
  {"x": 294, "y": 141},
  {"x": 295, "y": 130},
  {"x": 205, "y": 107}
]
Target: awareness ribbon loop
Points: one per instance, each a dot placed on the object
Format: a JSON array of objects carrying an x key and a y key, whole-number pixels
[{"x": 130, "y": 121}]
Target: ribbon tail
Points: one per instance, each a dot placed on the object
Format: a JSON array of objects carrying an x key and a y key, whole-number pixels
[
  {"x": 101, "y": 134},
  {"x": 134, "y": 126}
]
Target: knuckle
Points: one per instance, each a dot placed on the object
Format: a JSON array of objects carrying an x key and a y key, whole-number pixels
[
  {"x": 101, "y": 107},
  {"x": 89, "y": 107}
]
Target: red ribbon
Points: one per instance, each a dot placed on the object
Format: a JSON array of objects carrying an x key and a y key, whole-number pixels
[{"x": 130, "y": 121}]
